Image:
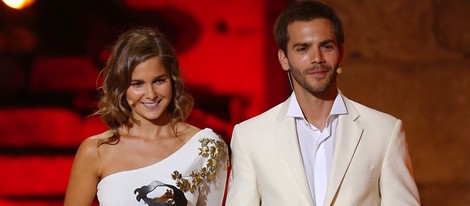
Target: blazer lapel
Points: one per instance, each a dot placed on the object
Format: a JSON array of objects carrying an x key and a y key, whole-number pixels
[
  {"x": 286, "y": 135},
  {"x": 348, "y": 137}
]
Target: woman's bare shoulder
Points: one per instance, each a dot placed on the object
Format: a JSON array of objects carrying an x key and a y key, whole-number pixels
[{"x": 89, "y": 146}]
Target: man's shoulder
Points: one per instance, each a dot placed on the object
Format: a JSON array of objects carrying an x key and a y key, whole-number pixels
[
  {"x": 264, "y": 118},
  {"x": 272, "y": 112},
  {"x": 367, "y": 113}
]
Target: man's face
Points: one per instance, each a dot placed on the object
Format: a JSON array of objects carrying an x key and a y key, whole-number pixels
[{"x": 313, "y": 55}]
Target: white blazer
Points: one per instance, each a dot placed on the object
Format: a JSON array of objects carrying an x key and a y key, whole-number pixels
[{"x": 371, "y": 164}]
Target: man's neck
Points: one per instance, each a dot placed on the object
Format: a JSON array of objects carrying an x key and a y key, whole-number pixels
[{"x": 316, "y": 108}]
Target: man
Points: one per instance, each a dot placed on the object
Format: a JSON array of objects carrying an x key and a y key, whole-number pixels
[{"x": 318, "y": 147}]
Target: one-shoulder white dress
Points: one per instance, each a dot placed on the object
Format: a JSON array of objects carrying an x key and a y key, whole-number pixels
[{"x": 193, "y": 175}]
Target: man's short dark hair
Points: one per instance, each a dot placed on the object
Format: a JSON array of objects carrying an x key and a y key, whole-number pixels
[{"x": 305, "y": 11}]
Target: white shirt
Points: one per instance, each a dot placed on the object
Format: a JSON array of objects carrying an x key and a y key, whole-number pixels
[{"x": 317, "y": 146}]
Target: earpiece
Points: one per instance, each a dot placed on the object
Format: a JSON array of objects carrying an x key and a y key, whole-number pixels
[
  {"x": 130, "y": 102},
  {"x": 339, "y": 70},
  {"x": 290, "y": 80}
]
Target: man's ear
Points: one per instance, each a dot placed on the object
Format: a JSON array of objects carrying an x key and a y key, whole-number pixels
[
  {"x": 341, "y": 55},
  {"x": 283, "y": 60}
]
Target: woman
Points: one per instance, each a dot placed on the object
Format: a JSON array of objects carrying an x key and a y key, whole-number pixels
[{"x": 150, "y": 155}]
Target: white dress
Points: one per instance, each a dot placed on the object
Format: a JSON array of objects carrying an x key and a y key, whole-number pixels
[{"x": 198, "y": 169}]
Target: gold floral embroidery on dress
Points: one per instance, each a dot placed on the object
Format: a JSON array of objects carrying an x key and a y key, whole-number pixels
[{"x": 211, "y": 149}]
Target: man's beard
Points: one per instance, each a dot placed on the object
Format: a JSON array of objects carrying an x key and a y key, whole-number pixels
[{"x": 319, "y": 89}]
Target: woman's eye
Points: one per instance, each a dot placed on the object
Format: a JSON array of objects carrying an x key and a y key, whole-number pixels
[
  {"x": 160, "y": 81},
  {"x": 136, "y": 84}
]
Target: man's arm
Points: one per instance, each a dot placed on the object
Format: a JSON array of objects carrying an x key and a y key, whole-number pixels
[
  {"x": 242, "y": 189},
  {"x": 397, "y": 185}
]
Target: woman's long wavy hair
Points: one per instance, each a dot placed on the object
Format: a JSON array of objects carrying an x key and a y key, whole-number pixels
[{"x": 132, "y": 48}]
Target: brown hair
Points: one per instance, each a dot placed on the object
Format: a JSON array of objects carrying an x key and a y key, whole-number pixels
[{"x": 132, "y": 48}]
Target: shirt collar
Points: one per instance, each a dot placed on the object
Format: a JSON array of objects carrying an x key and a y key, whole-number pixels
[{"x": 294, "y": 109}]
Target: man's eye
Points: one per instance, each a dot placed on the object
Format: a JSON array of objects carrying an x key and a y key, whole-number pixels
[
  {"x": 301, "y": 49},
  {"x": 328, "y": 46}
]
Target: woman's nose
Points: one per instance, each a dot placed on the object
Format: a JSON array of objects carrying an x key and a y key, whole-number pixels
[{"x": 150, "y": 93}]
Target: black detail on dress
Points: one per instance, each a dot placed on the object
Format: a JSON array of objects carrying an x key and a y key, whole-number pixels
[{"x": 172, "y": 197}]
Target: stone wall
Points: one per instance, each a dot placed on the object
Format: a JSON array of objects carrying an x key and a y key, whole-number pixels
[{"x": 411, "y": 59}]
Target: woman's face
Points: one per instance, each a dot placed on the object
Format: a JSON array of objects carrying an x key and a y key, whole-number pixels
[{"x": 150, "y": 91}]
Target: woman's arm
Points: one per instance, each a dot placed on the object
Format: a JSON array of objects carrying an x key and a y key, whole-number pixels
[{"x": 84, "y": 176}]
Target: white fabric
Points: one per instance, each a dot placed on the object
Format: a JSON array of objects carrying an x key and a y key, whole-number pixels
[
  {"x": 317, "y": 146},
  {"x": 118, "y": 188},
  {"x": 371, "y": 164}
]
